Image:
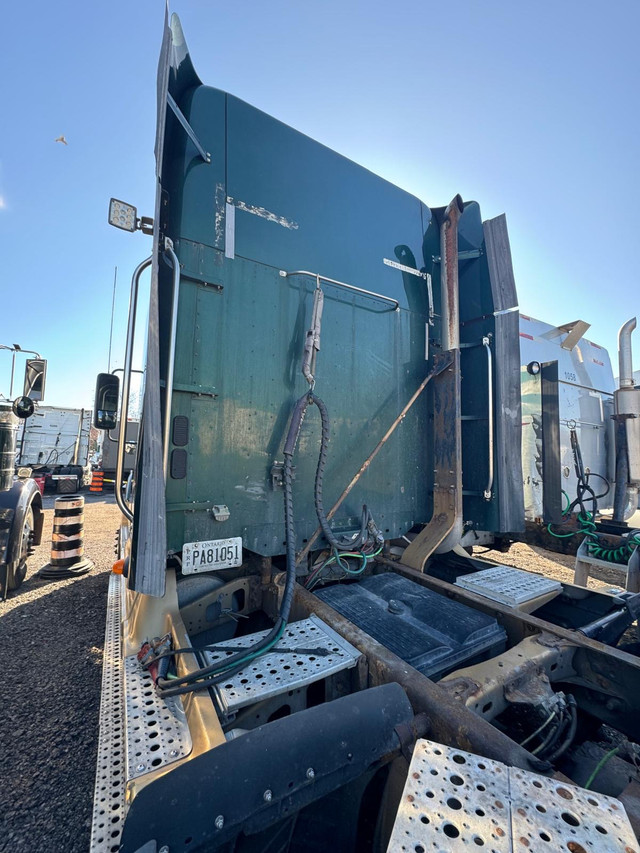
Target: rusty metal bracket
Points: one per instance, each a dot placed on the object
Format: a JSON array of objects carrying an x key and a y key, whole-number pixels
[
  {"x": 520, "y": 675},
  {"x": 447, "y": 487}
]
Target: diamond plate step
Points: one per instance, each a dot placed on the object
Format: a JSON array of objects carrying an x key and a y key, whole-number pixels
[
  {"x": 278, "y": 672},
  {"x": 454, "y": 800},
  {"x": 507, "y": 585}
]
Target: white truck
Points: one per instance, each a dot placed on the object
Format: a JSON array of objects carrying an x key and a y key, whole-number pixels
[{"x": 54, "y": 443}]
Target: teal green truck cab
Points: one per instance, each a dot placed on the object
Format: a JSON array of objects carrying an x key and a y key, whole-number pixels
[{"x": 331, "y": 405}]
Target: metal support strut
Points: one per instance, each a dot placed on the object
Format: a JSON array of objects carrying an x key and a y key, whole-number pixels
[{"x": 172, "y": 354}]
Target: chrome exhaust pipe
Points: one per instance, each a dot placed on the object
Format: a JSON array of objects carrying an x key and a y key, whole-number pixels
[{"x": 625, "y": 360}]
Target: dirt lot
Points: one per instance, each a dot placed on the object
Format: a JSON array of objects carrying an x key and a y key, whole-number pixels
[
  {"x": 51, "y": 637},
  {"x": 560, "y": 567}
]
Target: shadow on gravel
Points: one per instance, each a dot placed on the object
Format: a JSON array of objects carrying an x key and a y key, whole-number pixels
[
  {"x": 33, "y": 585},
  {"x": 51, "y": 653}
]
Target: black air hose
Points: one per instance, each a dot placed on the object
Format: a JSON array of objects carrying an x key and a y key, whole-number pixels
[
  {"x": 211, "y": 675},
  {"x": 341, "y": 543}
]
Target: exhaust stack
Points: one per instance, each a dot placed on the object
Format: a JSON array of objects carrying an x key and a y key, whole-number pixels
[
  {"x": 625, "y": 360},
  {"x": 627, "y": 416}
]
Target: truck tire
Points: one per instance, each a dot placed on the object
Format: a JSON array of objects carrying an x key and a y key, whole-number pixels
[{"x": 26, "y": 542}]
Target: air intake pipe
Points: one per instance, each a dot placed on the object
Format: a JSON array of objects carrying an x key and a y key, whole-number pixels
[{"x": 8, "y": 436}]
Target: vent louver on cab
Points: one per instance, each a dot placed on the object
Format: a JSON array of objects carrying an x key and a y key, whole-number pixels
[{"x": 180, "y": 430}]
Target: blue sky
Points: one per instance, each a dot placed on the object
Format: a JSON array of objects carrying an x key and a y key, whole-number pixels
[{"x": 531, "y": 109}]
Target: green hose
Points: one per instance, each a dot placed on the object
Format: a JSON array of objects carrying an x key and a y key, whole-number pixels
[{"x": 600, "y": 765}]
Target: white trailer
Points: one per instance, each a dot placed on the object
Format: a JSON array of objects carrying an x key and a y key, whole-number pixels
[
  {"x": 54, "y": 442},
  {"x": 585, "y": 394}
]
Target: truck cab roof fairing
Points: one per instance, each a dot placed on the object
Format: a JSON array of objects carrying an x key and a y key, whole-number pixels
[{"x": 149, "y": 533}]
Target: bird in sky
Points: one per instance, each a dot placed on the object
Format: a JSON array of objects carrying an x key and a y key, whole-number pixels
[{"x": 62, "y": 139}]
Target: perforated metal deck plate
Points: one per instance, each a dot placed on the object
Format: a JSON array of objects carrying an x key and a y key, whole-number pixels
[
  {"x": 553, "y": 816},
  {"x": 108, "y": 799},
  {"x": 277, "y": 672},
  {"x": 157, "y": 730},
  {"x": 455, "y": 801},
  {"x": 452, "y": 797},
  {"x": 510, "y": 586}
]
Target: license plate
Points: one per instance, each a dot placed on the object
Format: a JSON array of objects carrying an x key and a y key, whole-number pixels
[{"x": 211, "y": 555}]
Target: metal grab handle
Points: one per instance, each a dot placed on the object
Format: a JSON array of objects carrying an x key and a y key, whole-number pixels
[
  {"x": 317, "y": 277},
  {"x": 312, "y": 342},
  {"x": 168, "y": 391},
  {"x": 486, "y": 343},
  {"x": 126, "y": 386}
]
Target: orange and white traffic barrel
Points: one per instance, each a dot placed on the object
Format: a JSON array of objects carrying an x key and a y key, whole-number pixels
[
  {"x": 67, "y": 540},
  {"x": 97, "y": 481}
]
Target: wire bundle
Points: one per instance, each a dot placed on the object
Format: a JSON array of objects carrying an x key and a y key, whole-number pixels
[
  {"x": 585, "y": 494},
  {"x": 339, "y": 560},
  {"x": 559, "y": 736}
]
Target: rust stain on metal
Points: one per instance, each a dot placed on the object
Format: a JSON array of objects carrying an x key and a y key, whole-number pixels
[
  {"x": 449, "y": 239},
  {"x": 524, "y": 841},
  {"x": 500, "y": 831},
  {"x": 567, "y": 795}
]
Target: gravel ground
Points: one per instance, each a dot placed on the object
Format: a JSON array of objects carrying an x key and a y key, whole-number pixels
[{"x": 51, "y": 637}]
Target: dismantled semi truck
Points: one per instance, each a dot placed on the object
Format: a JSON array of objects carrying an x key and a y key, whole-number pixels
[
  {"x": 21, "y": 516},
  {"x": 298, "y": 654}
]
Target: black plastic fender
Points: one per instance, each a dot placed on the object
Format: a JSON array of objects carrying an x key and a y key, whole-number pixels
[
  {"x": 268, "y": 774},
  {"x": 14, "y": 506}
]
